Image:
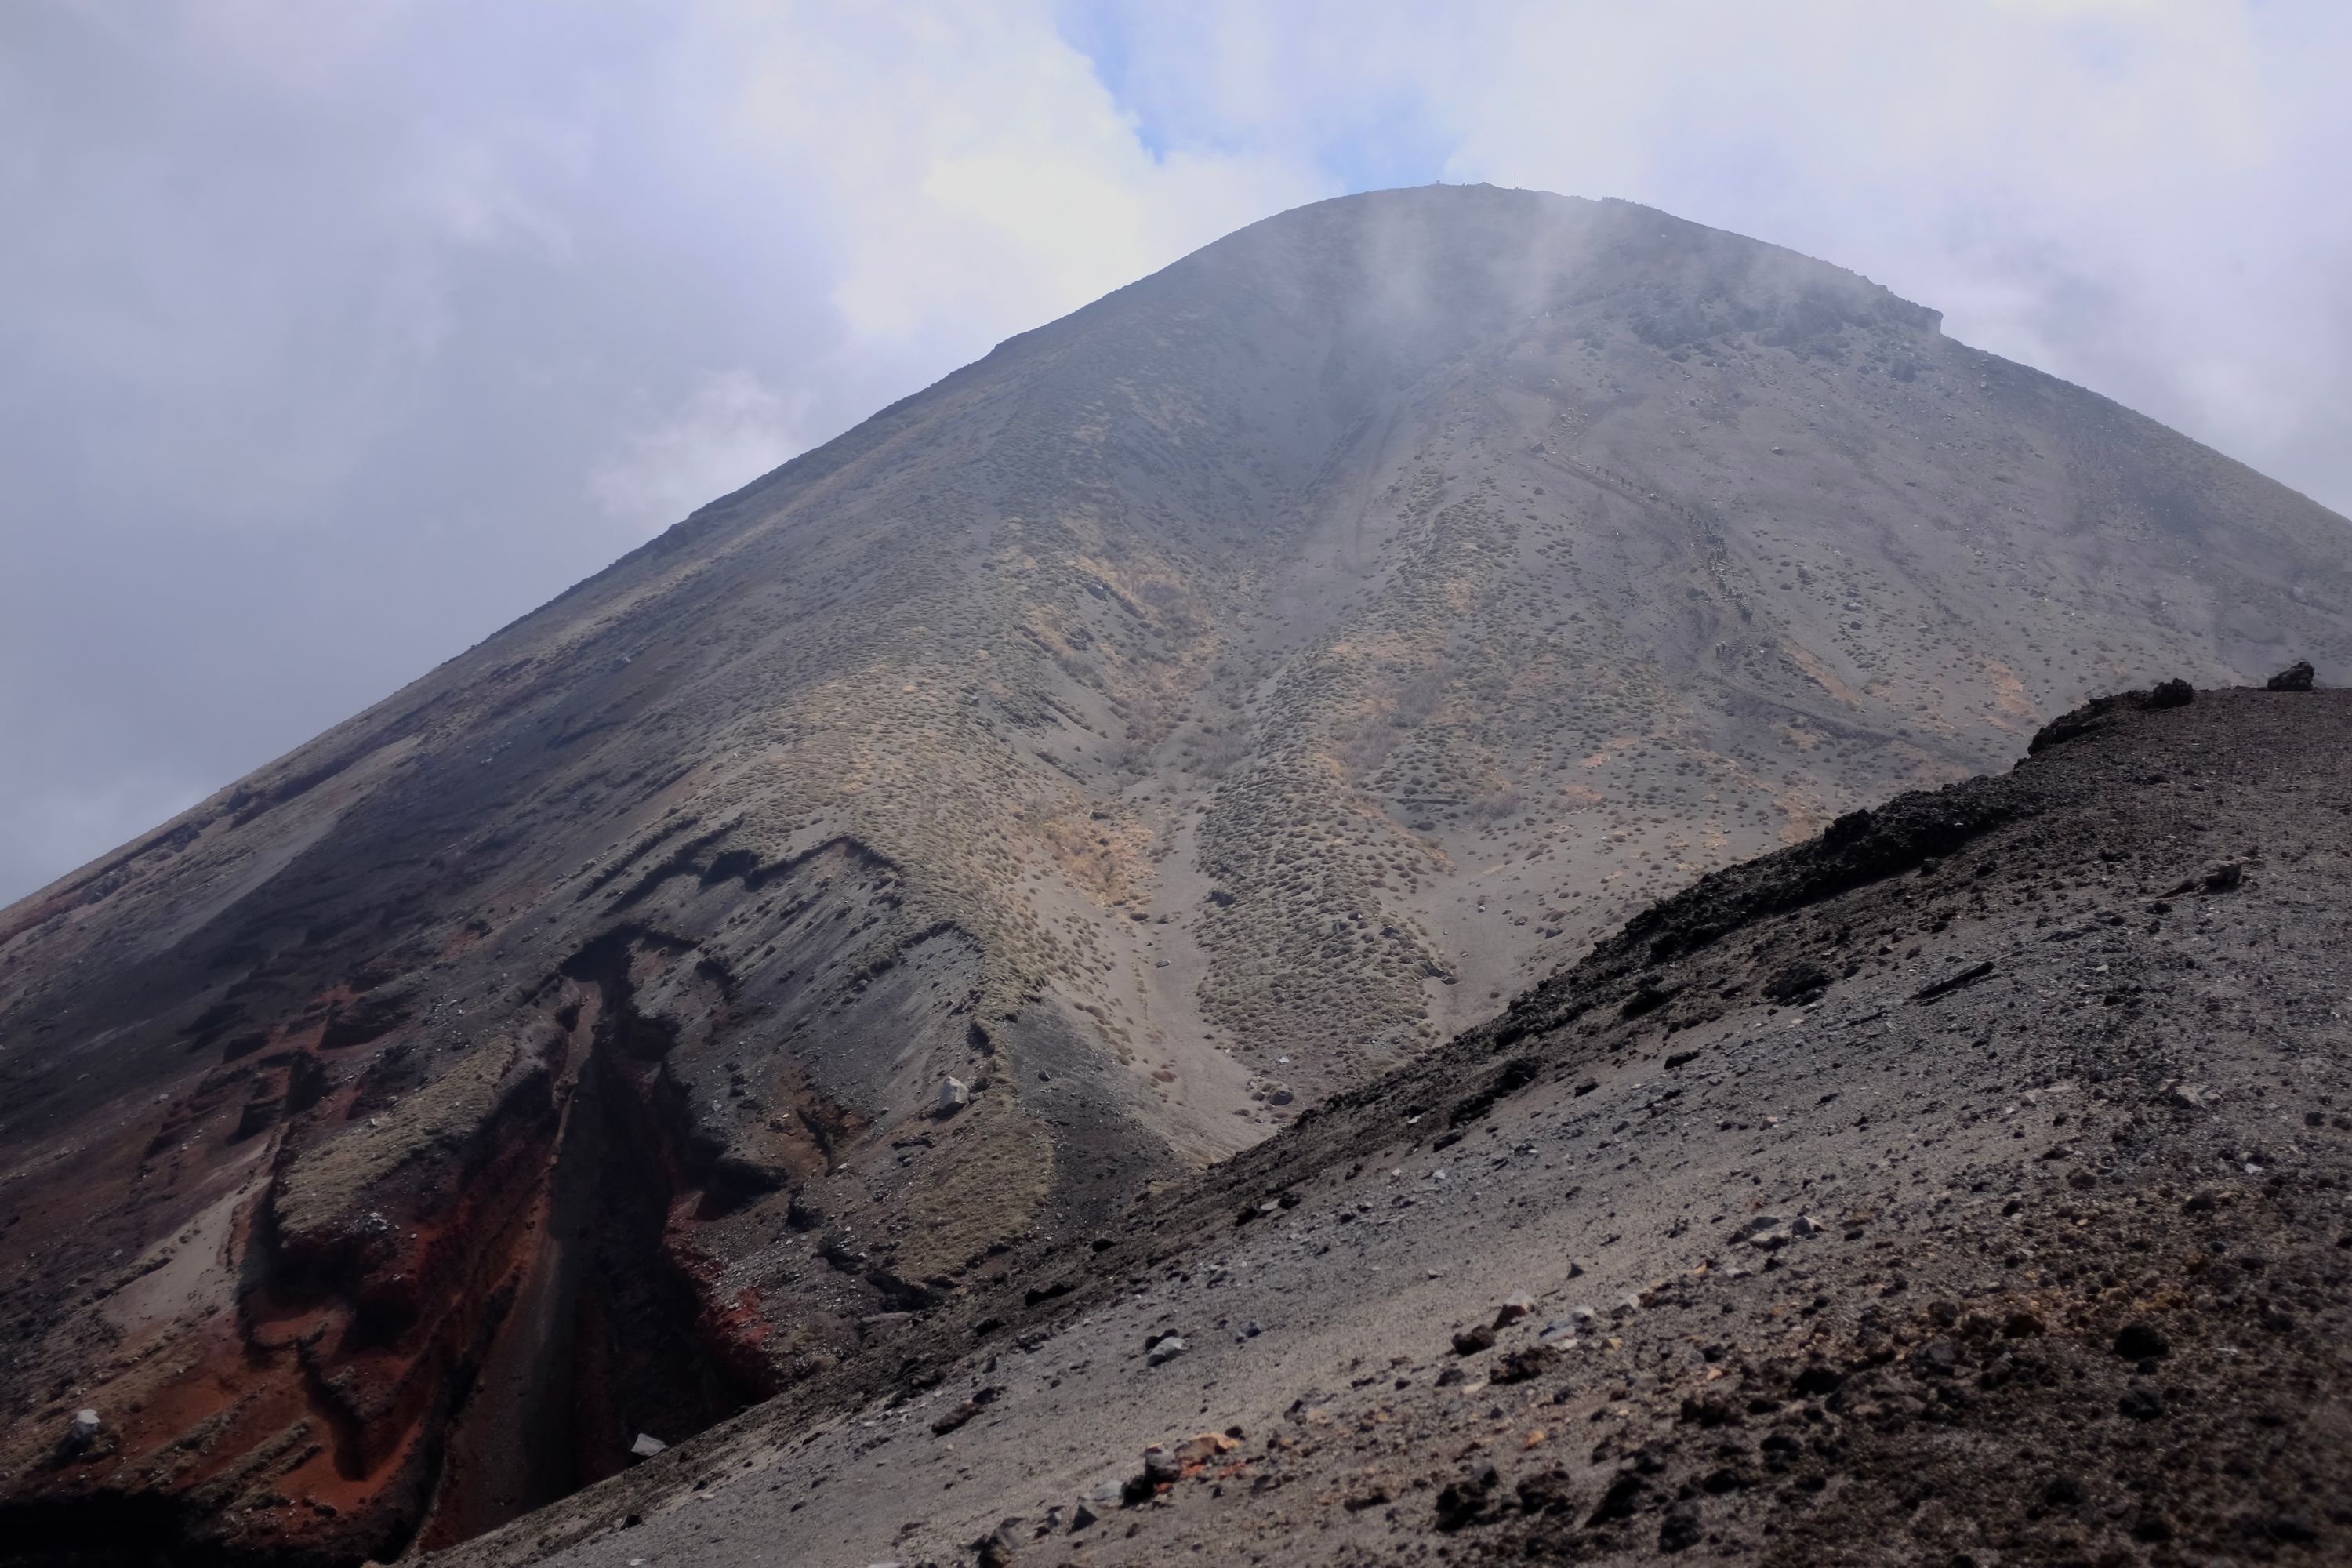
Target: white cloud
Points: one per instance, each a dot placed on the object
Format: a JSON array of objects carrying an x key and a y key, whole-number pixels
[
  {"x": 729, "y": 432},
  {"x": 2169, "y": 164},
  {"x": 971, "y": 173}
]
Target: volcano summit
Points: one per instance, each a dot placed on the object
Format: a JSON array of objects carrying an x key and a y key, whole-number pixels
[{"x": 1203, "y": 704}]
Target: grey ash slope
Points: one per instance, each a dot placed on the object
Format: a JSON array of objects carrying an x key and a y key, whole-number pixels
[
  {"x": 1200, "y": 705},
  {"x": 2046, "y": 1267}
]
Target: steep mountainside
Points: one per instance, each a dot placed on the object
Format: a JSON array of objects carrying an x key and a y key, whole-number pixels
[
  {"x": 1201, "y": 704},
  {"x": 1972, "y": 1183}
]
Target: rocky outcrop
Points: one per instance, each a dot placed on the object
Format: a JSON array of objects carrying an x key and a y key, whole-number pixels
[{"x": 2296, "y": 677}]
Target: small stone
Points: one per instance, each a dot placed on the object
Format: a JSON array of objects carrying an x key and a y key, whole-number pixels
[
  {"x": 1513, "y": 1309},
  {"x": 2021, "y": 1326},
  {"x": 2185, "y": 1096},
  {"x": 1167, "y": 1350},
  {"x": 1470, "y": 1341},
  {"x": 1205, "y": 1448},
  {"x": 85, "y": 1430},
  {"x": 647, "y": 1446},
  {"x": 997, "y": 1547},
  {"x": 2141, "y": 1342},
  {"x": 954, "y": 1095},
  {"x": 2140, "y": 1403}
]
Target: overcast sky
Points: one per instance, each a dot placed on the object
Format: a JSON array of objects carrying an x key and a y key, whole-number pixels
[{"x": 335, "y": 335}]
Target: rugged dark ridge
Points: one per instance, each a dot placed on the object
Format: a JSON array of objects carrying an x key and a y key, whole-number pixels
[
  {"x": 1198, "y": 707},
  {"x": 1971, "y": 1183}
]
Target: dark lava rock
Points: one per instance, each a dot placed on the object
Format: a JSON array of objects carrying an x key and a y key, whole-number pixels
[
  {"x": 1521, "y": 1366},
  {"x": 2140, "y": 1403},
  {"x": 955, "y": 1418},
  {"x": 2172, "y": 694},
  {"x": 1466, "y": 1502},
  {"x": 1620, "y": 1500},
  {"x": 1939, "y": 1357},
  {"x": 1545, "y": 1493},
  {"x": 1470, "y": 1341},
  {"x": 2138, "y": 1342},
  {"x": 2296, "y": 677},
  {"x": 1681, "y": 1529},
  {"x": 1797, "y": 982},
  {"x": 1708, "y": 1412},
  {"x": 1816, "y": 1381},
  {"x": 1846, "y": 829}
]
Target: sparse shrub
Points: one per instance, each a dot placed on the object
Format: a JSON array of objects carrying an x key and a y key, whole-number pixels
[
  {"x": 1506, "y": 802},
  {"x": 1419, "y": 698}
]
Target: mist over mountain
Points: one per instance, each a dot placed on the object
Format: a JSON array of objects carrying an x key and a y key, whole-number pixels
[{"x": 1201, "y": 705}]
